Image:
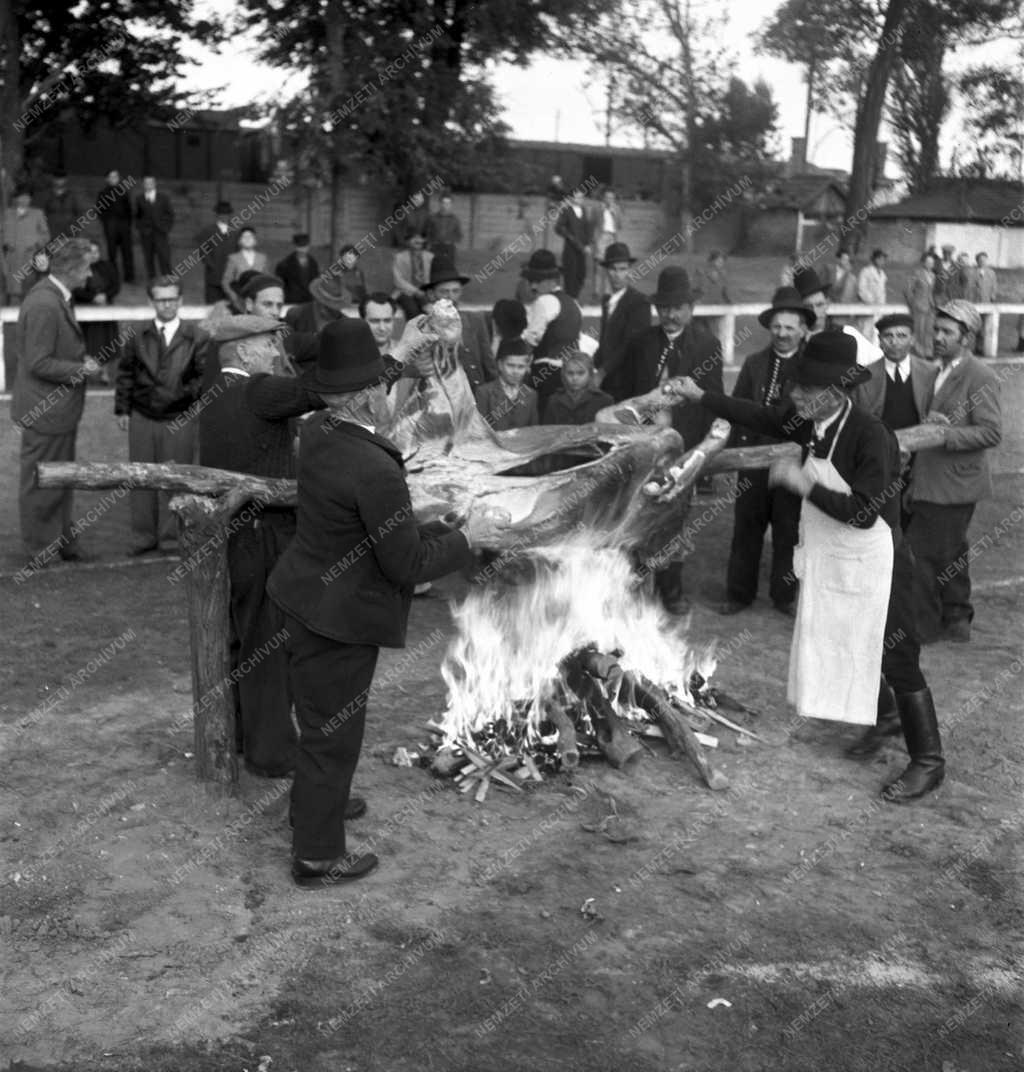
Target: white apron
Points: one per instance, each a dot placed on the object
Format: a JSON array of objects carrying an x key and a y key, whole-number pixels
[{"x": 845, "y": 575}]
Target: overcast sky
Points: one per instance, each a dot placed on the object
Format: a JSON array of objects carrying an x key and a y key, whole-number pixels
[{"x": 554, "y": 99}]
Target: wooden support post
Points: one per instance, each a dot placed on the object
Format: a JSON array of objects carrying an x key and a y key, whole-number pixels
[
  {"x": 990, "y": 333},
  {"x": 202, "y": 532}
]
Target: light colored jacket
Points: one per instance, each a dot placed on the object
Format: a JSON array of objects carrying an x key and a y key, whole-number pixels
[
  {"x": 871, "y": 285},
  {"x": 958, "y": 471},
  {"x": 401, "y": 272}
]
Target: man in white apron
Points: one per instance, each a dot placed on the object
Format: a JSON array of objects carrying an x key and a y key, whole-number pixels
[{"x": 853, "y": 616}]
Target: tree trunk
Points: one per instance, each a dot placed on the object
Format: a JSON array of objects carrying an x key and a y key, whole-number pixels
[
  {"x": 12, "y": 139},
  {"x": 334, "y": 27},
  {"x": 686, "y": 175},
  {"x": 869, "y": 117}
]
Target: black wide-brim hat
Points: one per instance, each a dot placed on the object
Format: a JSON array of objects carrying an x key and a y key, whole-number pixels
[
  {"x": 617, "y": 253},
  {"x": 787, "y": 300},
  {"x": 443, "y": 270},
  {"x": 807, "y": 282},
  {"x": 829, "y": 359},
  {"x": 673, "y": 288},
  {"x": 348, "y": 359},
  {"x": 542, "y": 265}
]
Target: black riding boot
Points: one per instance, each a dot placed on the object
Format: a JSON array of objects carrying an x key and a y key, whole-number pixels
[
  {"x": 921, "y": 732},
  {"x": 887, "y": 725}
]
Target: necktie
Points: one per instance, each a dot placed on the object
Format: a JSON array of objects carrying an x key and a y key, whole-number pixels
[
  {"x": 663, "y": 360},
  {"x": 166, "y": 330},
  {"x": 417, "y": 267}
]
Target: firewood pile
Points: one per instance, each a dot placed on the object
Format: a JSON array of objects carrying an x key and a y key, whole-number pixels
[{"x": 567, "y": 659}]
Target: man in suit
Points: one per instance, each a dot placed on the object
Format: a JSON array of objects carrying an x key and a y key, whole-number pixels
[
  {"x": 948, "y": 481},
  {"x": 900, "y": 385},
  {"x": 815, "y": 293},
  {"x": 624, "y": 312},
  {"x": 297, "y": 271},
  {"x": 553, "y": 322},
  {"x": 329, "y": 298},
  {"x": 574, "y": 228},
  {"x": 345, "y": 586},
  {"x": 475, "y": 354},
  {"x": 158, "y": 379},
  {"x": 47, "y": 402},
  {"x": 247, "y": 425},
  {"x": 114, "y": 208},
  {"x": 674, "y": 348},
  {"x": 872, "y": 281},
  {"x": 410, "y": 272},
  {"x": 215, "y": 247},
  {"x": 444, "y": 232},
  {"x": 62, "y": 207},
  {"x": 246, "y": 258},
  {"x": 758, "y": 504},
  {"x": 154, "y": 218},
  {"x": 25, "y": 233},
  {"x": 855, "y": 619}
]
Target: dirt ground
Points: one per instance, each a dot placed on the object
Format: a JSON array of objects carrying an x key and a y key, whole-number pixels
[{"x": 791, "y": 923}]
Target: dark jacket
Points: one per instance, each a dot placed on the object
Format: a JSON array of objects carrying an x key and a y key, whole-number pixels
[
  {"x": 157, "y": 381},
  {"x": 103, "y": 279},
  {"x": 155, "y": 218},
  {"x": 694, "y": 353},
  {"x": 574, "y": 229},
  {"x": 114, "y": 205},
  {"x": 247, "y": 423},
  {"x": 62, "y": 211},
  {"x": 49, "y": 386},
  {"x": 632, "y": 314},
  {"x": 214, "y": 247},
  {"x": 349, "y": 572},
  {"x": 296, "y": 277},
  {"x": 867, "y": 456},
  {"x": 561, "y": 409},
  {"x": 751, "y": 384}
]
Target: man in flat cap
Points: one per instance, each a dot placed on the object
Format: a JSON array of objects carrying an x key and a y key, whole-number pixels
[
  {"x": 247, "y": 425},
  {"x": 948, "y": 481},
  {"x": 900, "y": 385}
]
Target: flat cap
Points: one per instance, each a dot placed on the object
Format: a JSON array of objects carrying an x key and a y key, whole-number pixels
[
  {"x": 231, "y": 328},
  {"x": 895, "y": 320},
  {"x": 962, "y": 312}
]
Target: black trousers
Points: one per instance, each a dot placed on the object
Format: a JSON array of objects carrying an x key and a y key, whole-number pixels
[
  {"x": 901, "y": 653},
  {"x": 330, "y": 682},
  {"x": 938, "y": 535},
  {"x": 757, "y": 507},
  {"x": 263, "y": 699},
  {"x": 574, "y": 270},
  {"x": 156, "y": 250},
  {"x": 118, "y": 234}
]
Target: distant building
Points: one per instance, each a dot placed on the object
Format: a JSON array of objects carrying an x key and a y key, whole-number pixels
[{"x": 974, "y": 215}]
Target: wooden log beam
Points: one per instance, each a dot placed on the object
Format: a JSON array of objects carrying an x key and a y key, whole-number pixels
[
  {"x": 618, "y": 745},
  {"x": 191, "y": 479},
  {"x": 202, "y": 524},
  {"x": 568, "y": 746}
]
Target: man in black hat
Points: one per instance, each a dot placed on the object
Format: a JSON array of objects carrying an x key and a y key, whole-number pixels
[
  {"x": 475, "y": 354},
  {"x": 215, "y": 246},
  {"x": 758, "y": 505},
  {"x": 624, "y": 312},
  {"x": 672, "y": 349},
  {"x": 247, "y": 425},
  {"x": 297, "y": 271},
  {"x": 815, "y": 293},
  {"x": 553, "y": 322},
  {"x": 345, "y": 586},
  {"x": 329, "y": 297},
  {"x": 573, "y": 226},
  {"x": 854, "y": 615}
]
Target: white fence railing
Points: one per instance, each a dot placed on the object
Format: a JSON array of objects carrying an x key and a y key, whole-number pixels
[{"x": 724, "y": 319}]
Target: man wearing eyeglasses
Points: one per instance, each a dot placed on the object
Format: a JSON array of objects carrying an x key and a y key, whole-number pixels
[{"x": 158, "y": 379}]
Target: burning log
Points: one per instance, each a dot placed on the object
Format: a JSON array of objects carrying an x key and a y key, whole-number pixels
[
  {"x": 568, "y": 744},
  {"x": 611, "y": 729},
  {"x": 678, "y": 734}
]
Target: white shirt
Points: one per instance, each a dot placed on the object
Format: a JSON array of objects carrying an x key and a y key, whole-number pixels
[
  {"x": 898, "y": 371},
  {"x": 222, "y": 227},
  {"x": 577, "y": 210},
  {"x": 822, "y": 426},
  {"x": 151, "y": 196},
  {"x": 613, "y": 299},
  {"x": 168, "y": 328},
  {"x": 249, "y": 255},
  {"x": 944, "y": 373},
  {"x": 608, "y": 221},
  {"x": 64, "y": 292},
  {"x": 539, "y": 313},
  {"x": 236, "y": 371}
]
